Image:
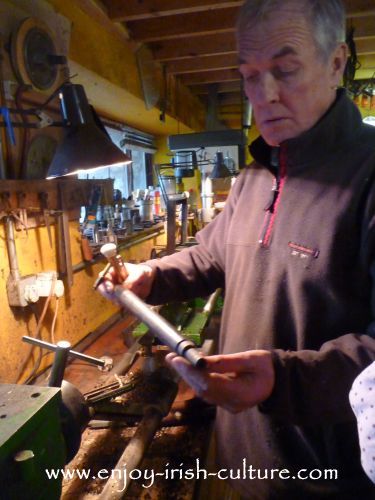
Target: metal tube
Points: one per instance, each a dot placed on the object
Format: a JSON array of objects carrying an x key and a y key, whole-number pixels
[
  {"x": 184, "y": 221},
  {"x": 171, "y": 227},
  {"x": 163, "y": 330},
  {"x": 133, "y": 455},
  {"x": 53, "y": 347},
  {"x": 11, "y": 246},
  {"x": 59, "y": 364}
]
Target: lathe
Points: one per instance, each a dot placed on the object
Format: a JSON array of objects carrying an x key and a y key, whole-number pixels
[{"x": 41, "y": 427}]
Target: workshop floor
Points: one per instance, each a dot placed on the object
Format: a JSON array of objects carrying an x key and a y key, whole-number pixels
[{"x": 177, "y": 444}]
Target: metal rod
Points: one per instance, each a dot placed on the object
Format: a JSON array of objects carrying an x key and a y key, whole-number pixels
[
  {"x": 133, "y": 454},
  {"x": 184, "y": 221},
  {"x": 59, "y": 363},
  {"x": 160, "y": 327},
  {"x": 11, "y": 246},
  {"x": 171, "y": 227},
  {"x": 116, "y": 486},
  {"x": 53, "y": 347}
]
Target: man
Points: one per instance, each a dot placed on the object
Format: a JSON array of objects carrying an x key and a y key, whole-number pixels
[{"x": 294, "y": 249}]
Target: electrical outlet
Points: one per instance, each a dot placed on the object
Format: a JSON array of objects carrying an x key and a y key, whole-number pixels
[
  {"x": 22, "y": 291},
  {"x": 28, "y": 289},
  {"x": 44, "y": 284}
]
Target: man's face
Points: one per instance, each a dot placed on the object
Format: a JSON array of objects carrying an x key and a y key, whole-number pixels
[{"x": 286, "y": 80}]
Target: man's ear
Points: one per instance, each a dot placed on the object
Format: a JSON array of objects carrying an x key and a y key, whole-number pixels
[{"x": 338, "y": 62}]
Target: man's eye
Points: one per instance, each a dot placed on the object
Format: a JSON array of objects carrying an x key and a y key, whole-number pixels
[
  {"x": 251, "y": 78},
  {"x": 284, "y": 73}
]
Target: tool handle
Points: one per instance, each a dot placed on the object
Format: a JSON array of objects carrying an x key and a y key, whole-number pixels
[
  {"x": 120, "y": 268},
  {"x": 109, "y": 251},
  {"x": 156, "y": 323}
]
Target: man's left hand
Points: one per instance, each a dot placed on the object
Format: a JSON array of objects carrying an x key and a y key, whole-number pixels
[{"x": 233, "y": 381}]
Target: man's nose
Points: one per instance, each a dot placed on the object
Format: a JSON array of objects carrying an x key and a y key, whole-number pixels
[{"x": 266, "y": 91}]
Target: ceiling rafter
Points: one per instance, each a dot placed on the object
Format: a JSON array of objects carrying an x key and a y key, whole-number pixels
[
  {"x": 195, "y": 40},
  {"x": 218, "y": 43},
  {"x": 171, "y": 27},
  {"x": 133, "y": 10},
  {"x": 202, "y": 63},
  {"x": 211, "y": 77}
]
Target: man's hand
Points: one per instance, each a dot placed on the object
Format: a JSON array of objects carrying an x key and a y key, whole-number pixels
[
  {"x": 233, "y": 381},
  {"x": 140, "y": 279}
]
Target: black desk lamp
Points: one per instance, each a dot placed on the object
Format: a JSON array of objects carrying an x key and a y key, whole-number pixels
[{"x": 87, "y": 145}]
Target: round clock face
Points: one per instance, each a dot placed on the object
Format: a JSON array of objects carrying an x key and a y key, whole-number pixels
[
  {"x": 38, "y": 47},
  {"x": 39, "y": 156},
  {"x": 32, "y": 54}
]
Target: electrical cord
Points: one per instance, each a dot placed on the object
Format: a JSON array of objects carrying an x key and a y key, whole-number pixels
[
  {"x": 54, "y": 321},
  {"x": 37, "y": 336}
]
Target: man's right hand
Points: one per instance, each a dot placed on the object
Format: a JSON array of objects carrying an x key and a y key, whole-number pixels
[{"x": 140, "y": 279}]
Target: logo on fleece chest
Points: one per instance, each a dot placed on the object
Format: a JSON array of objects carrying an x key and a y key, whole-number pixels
[{"x": 302, "y": 252}]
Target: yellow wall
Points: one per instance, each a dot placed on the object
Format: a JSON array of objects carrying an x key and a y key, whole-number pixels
[
  {"x": 105, "y": 65},
  {"x": 80, "y": 311},
  {"x": 93, "y": 49}
]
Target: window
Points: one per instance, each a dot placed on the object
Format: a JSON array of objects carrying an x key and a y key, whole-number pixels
[{"x": 137, "y": 175}]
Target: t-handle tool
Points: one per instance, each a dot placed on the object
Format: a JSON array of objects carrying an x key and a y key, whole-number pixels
[
  {"x": 160, "y": 327},
  {"x": 43, "y": 196}
]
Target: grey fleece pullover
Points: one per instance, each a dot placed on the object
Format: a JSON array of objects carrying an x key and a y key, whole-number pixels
[{"x": 294, "y": 250}]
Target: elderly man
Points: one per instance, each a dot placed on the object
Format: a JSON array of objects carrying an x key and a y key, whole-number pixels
[{"x": 294, "y": 249}]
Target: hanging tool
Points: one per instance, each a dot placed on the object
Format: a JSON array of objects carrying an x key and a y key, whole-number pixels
[
  {"x": 43, "y": 197},
  {"x": 21, "y": 198},
  {"x": 157, "y": 324},
  {"x": 64, "y": 250}
]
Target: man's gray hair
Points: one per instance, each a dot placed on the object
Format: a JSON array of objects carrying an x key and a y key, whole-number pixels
[{"x": 327, "y": 18}]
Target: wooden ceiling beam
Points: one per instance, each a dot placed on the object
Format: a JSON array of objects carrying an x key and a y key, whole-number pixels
[
  {"x": 134, "y": 10},
  {"x": 221, "y": 87},
  {"x": 218, "y": 43},
  {"x": 175, "y": 27},
  {"x": 211, "y": 77},
  {"x": 98, "y": 13},
  {"x": 199, "y": 64}
]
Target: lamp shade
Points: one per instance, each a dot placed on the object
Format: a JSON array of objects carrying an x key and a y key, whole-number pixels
[
  {"x": 86, "y": 145},
  {"x": 220, "y": 170}
]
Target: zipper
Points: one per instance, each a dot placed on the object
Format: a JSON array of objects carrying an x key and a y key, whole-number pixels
[{"x": 278, "y": 160}]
